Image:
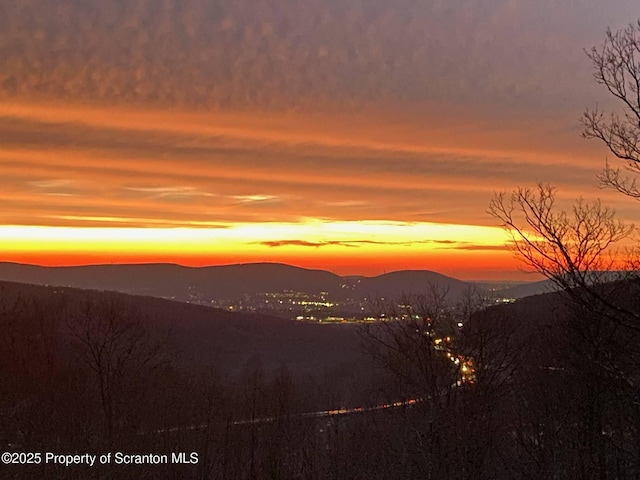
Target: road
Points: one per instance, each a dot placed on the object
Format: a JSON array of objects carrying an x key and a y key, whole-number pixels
[{"x": 319, "y": 414}]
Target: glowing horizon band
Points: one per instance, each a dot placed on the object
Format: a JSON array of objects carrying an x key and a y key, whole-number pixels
[{"x": 367, "y": 235}]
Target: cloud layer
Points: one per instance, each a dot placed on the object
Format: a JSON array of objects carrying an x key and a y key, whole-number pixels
[
  {"x": 63, "y": 166},
  {"x": 302, "y": 54},
  {"x": 206, "y": 113}
]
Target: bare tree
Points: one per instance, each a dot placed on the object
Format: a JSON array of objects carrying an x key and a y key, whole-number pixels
[
  {"x": 117, "y": 348},
  {"x": 453, "y": 429},
  {"x": 557, "y": 243},
  {"x": 594, "y": 339},
  {"x": 617, "y": 67},
  {"x": 576, "y": 250}
]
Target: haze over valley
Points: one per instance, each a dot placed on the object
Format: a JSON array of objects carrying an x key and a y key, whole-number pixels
[{"x": 275, "y": 289}]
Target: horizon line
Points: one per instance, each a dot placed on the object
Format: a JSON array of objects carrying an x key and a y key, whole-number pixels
[{"x": 182, "y": 265}]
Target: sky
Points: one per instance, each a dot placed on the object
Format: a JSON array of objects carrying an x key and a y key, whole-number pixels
[{"x": 357, "y": 136}]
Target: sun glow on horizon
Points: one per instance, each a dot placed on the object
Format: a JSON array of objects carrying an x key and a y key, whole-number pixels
[
  {"x": 367, "y": 246},
  {"x": 308, "y": 233}
]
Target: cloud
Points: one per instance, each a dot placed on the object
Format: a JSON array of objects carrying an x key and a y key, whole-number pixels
[
  {"x": 123, "y": 222},
  {"x": 276, "y": 111},
  {"x": 306, "y": 54},
  {"x": 255, "y": 198},
  {"x": 58, "y": 187},
  {"x": 169, "y": 166},
  {"x": 347, "y": 203},
  {"x": 57, "y": 183},
  {"x": 478, "y": 247},
  {"x": 171, "y": 192},
  {"x": 349, "y": 243},
  {"x": 303, "y": 243}
]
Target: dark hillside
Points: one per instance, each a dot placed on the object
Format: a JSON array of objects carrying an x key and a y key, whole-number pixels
[
  {"x": 230, "y": 282},
  {"x": 212, "y": 337},
  {"x": 175, "y": 281},
  {"x": 410, "y": 282}
]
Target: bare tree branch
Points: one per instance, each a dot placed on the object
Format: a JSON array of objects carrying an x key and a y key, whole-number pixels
[
  {"x": 575, "y": 250},
  {"x": 617, "y": 66}
]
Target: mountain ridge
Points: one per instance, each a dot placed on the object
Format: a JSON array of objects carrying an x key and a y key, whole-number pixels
[{"x": 168, "y": 280}]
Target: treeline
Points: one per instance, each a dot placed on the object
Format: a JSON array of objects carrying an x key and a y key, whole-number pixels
[
  {"x": 90, "y": 373},
  {"x": 544, "y": 388}
]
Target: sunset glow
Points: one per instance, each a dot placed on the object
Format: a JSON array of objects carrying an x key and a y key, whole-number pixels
[
  {"x": 366, "y": 142},
  {"x": 347, "y": 246}
]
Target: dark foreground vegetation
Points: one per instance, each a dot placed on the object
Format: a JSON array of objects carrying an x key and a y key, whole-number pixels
[{"x": 543, "y": 388}]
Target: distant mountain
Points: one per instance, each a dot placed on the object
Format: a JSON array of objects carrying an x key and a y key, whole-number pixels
[
  {"x": 529, "y": 289},
  {"x": 231, "y": 282},
  {"x": 547, "y": 286},
  {"x": 410, "y": 282},
  {"x": 178, "y": 282}
]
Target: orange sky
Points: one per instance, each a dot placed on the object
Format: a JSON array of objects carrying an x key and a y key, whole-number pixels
[
  {"x": 345, "y": 247},
  {"x": 371, "y": 140}
]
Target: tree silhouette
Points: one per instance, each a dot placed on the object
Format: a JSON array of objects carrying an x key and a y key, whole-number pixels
[
  {"x": 617, "y": 67},
  {"x": 115, "y": 346},
  {"x": 576, "y": 250},
  {"x": 576, "y": 407}
]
